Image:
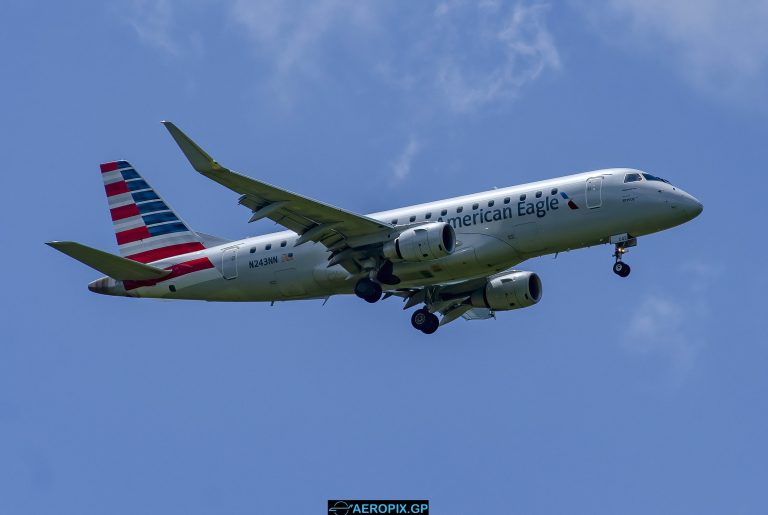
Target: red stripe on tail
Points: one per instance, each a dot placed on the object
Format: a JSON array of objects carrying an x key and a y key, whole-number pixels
[
  {"x": 116, "y": 188},
  {"x": 139, "y": 233},
  {"x": 164, "y": 252},
  {"x": 126, "y": 211},
  {"x": 108, "y": 167}
]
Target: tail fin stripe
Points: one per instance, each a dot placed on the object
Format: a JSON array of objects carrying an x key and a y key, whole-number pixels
[
  {"x": 130, "y": 173},
  {"x": 160, "y": 217},
  {"x": 142, "y": 196},
  {"x": 127, "y": 223},
  {"x": 122, "y": 212},
  {"x": 139, "y": 233},
  {"x": 137, "y": 184},
  {"x": 165, "y": 240},
  {"x": 164, "y": 252},
  {"x": 116, "y": 188},
  {"x": 111, "y": 177},
  {"x": 108, "y": 167},
  {"x": 151, "y": 207},
  {"x": 158, "y": 230}
]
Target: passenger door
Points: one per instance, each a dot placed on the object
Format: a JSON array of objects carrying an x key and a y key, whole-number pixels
[
  {"x": 594, "y": 192},
  {"x": 229, "y": 263}
]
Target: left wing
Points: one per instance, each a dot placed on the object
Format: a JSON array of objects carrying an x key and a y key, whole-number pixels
[
  {"x": 108, "y": 264},
  {"x": 331, "y": 226}
]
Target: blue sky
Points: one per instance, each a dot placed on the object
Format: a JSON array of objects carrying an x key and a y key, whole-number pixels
[{"x": 643, "y": 395}]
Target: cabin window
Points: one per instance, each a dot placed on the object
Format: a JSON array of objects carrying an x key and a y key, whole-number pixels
[
  {"x": 553, "y": 192},
  {"x": 394, "y": 222},
  {"x": 475, "y": 206},
  {"x": 632, "y": 177},
  {"x": 413, "y": 219},
  {"x": 506, "y": 200},
  {"x": 427, "y": 216},
  {"x": 460, "y": 209},
  {"x": 538, "y": 194},
  {"x": 522, "y": 197},
  {"x": 269, "y": 246},
  {"x": 253, "y": 250},
  {"x": 283, "y": 243},
  {"x": 491, "y": 203},
  {"x": 443, "y": 212}
]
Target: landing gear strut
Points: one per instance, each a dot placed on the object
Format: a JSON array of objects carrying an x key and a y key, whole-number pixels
[
  {"x": 425, "y": 321},
  {"x": 620, "y": 268},
  {"x": 368, "y": 290}
]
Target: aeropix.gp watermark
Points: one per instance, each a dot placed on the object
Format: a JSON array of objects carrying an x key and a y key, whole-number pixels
[{"x": 336, "y": 507}]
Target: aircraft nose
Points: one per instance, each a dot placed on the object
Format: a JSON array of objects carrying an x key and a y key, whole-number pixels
[
  {"x": 687, "y": 205},
  {"x": 692, "y": 206}
]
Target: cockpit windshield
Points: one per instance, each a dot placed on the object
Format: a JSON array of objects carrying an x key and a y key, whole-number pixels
[
  {"x": 649, "y": 177},
  {"x": 632, "y": 177}
]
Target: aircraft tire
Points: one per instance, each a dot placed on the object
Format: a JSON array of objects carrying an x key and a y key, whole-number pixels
[
  {"x": 432, "y": 325},
  {"x": 368, "y": 290},
  {"x": 425, "y": 321},
  {"x": 621, "y": 269}
]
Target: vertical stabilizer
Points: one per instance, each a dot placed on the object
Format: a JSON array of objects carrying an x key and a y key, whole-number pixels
[{"x": 147, "y": 229}]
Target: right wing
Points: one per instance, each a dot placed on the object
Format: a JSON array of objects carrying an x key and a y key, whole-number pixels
[{"x": 335, "y": 228}]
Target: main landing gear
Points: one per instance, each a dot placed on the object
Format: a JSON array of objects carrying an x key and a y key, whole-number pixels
[
  {"x": 425, "y": 321},
  {"x": 368, "y": 290},
  {"x": 371, "y": 291}
]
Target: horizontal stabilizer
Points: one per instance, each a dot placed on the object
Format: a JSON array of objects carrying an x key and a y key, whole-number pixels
[{"x": 116, "y": 267}]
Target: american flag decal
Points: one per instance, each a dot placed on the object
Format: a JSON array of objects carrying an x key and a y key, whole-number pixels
[{"x": 287, "y": 257}]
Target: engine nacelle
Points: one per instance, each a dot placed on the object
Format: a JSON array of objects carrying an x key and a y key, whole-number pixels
[
  {"x": 424, "y": 243},
  {"x": 512, "y": 291}
]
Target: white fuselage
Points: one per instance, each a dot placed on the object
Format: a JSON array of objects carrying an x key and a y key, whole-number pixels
[{"x": 495, "y": 230}]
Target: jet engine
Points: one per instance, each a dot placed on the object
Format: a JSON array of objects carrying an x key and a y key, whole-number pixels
[
  {"x": 423, "y": 243},
  {"x": 511, "y": 291}
]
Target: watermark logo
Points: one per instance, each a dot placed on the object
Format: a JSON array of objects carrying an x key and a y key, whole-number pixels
[{"x": 340, "y": 507}]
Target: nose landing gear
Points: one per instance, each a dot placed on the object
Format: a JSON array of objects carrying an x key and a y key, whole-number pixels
[
  {"x": 620, "y": 268},
  {"x": 622, "y": 243}
]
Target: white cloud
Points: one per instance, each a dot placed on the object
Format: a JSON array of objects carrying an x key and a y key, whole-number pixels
[
  {"x": 290, "y": 32},
  {"x": 658, "y": 327},
  {"x": 668, "y": 325},
  {"x": 719, "y": 46},
  {"x": 493, "y": 56},
  {"x": 153, "y": 21},
  {"x": 466, "y": 54},
  {"x": 401, "y": 168}
]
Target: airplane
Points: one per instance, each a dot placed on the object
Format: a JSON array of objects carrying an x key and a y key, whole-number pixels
[{"x": 453, "y": 258}]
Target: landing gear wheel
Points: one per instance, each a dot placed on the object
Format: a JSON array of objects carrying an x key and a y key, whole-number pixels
[
  {"x": 621, "y": 269},
  {"x": 425, "y": 321},
  {"x": 368, "y": 290}
]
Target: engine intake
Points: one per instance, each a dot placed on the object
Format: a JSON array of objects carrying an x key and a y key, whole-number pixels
[
  {"x": 424, "y": 243},
  {"x": 512, "y": 291}
]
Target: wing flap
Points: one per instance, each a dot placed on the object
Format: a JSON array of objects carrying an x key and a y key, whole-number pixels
[{"x": 108, "y": 264}]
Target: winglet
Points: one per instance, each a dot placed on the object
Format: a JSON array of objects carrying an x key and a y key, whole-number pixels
[
  {"x": 116, "y": 267},
  {"x": 198, "y": 158}
]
